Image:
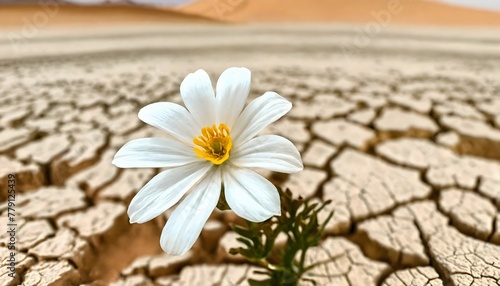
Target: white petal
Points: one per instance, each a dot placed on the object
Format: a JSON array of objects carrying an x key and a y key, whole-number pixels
[
  {"x": 198, "y": 96},
  {"x": 233, "y": 87},
  {"x": 270, "y": 152},
  {"x": 261, "y": 112},
  {"x": 250, "y": 195},
  {"x": 186, "y": 222},
  {"x": 165, "y": 190},
  {"x": 172, "y": 118},
  {"x": 154, "y": 153}
]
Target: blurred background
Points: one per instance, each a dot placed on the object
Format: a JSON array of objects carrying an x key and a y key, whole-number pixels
[
  {"x": 396, "y": 115},
  {"x": 448, "y": 12}
]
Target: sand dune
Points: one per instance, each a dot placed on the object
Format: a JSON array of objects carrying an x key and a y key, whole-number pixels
[
  {"x": 42, "y": 15},
  {"x": 410, "y": 12},
  {"x": 397, "y": 132},
  {"x": 407, "y": 12}
]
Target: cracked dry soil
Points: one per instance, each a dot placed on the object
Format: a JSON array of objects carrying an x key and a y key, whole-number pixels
[{"x": 404, "y": 139}]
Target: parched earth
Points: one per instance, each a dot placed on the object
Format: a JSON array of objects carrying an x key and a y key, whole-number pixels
[{"x": 402, "y": 134}]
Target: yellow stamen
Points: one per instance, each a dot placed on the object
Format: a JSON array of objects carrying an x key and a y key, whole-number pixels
[{"x": 213, "y": 144}]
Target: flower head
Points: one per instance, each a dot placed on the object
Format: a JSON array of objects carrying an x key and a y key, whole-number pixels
[{"x": 213, "y": 142}]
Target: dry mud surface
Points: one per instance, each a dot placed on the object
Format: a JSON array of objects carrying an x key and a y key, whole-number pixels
[{"x": 402, "y": 133}]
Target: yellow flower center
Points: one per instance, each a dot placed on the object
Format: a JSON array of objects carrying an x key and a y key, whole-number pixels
[{"x": 213, "y": 144}]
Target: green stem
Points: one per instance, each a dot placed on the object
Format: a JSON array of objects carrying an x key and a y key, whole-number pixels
[{"x": 302, "y": 261}]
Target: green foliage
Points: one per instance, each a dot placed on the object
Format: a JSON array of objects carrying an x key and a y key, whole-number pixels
[{"x": 299, "y": 223}]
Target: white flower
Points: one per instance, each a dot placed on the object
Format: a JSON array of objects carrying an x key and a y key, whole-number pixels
[{"x": 212, "y": 143}]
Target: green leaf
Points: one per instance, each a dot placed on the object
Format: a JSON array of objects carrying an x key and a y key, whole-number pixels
[
  {"x": 243, "y": 231},
  {"x": 253, "y": 282}
]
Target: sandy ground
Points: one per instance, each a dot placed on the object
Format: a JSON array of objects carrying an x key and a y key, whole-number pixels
[{"x": 401, "y": 129}]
